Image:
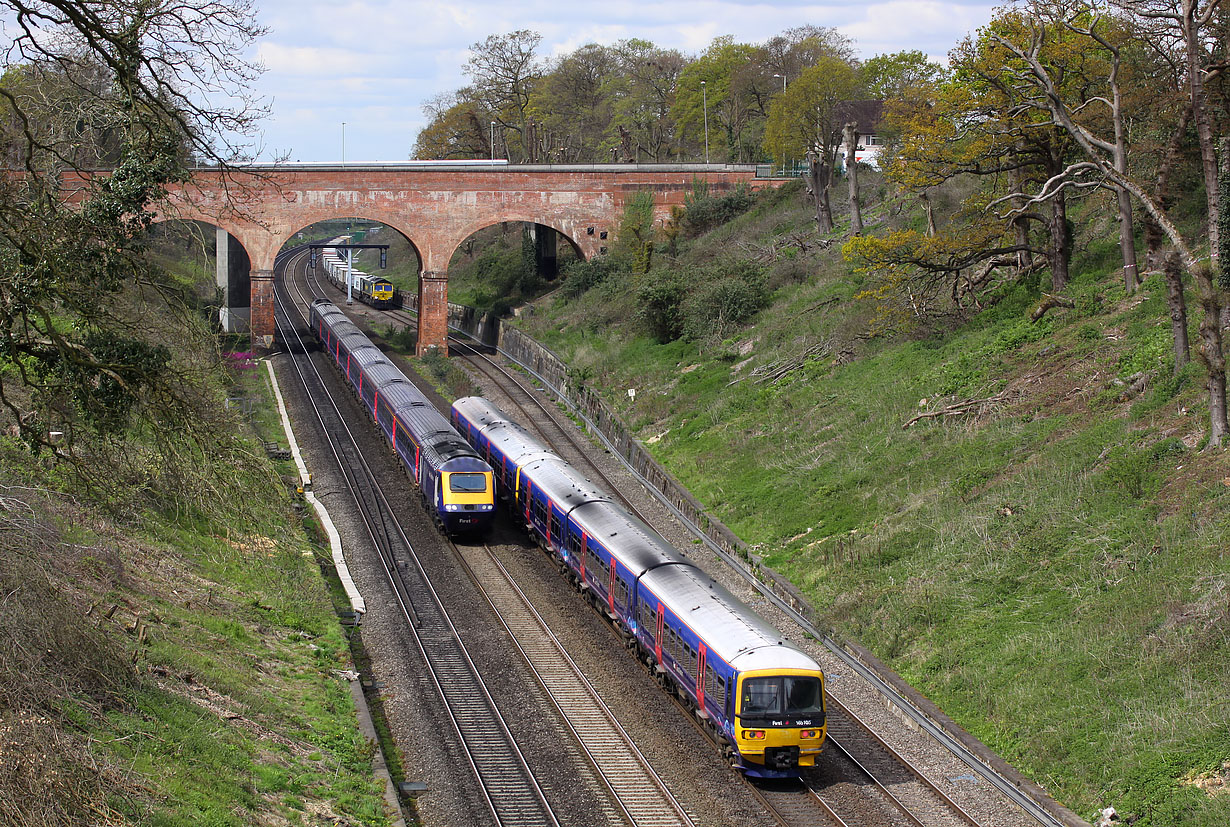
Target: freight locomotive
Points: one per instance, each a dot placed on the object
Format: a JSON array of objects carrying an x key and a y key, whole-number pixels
[
  {"x": 374, "y": 290},
  {"x": 761, "y": 697},
  {"x": 457, "y": 485}
]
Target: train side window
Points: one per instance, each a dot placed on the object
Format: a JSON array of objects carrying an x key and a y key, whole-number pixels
[
  {"x": 648, "y": 620},
  {"x": 574, "y": 543},
  {"x": 715, "y": 687},
  {"x": 540, "y": 511},
  {"x": 555, "y": 525}
]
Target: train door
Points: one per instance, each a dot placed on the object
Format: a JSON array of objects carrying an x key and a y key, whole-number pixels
[
  {"x": 657, "y": 640},
  {"x": 700, "y": 678}
]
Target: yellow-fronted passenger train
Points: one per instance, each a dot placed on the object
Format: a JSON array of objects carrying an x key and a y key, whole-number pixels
[
  {"x": 761, "y": 697},
  {"x": 457, "y": 484}
]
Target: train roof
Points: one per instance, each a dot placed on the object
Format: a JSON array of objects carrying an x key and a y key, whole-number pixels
[
  {"x": 513, "y": 441},
  {"x": 730, "y": 628},
  {"x": 637, "y": 546},
  {"x": 481, "y": 412},
  {"x": 559, "y": 481}
]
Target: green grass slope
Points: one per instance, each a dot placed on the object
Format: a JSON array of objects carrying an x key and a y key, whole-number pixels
[
  {"x": 1044, "y": 553},
  {"x": 170, "y": 653}
]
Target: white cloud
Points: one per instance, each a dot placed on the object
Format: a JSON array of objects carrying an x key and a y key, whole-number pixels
[{"x": 373, "y": 63}]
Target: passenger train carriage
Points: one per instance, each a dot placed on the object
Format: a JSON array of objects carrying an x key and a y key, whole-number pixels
[
  {"x": 374, "y": 290},
  {"x": 761, "y": 697},
  {"x": 457, "y": 484}
]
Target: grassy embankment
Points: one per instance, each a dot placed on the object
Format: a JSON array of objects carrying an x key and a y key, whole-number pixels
[
  {"x": 1050, "y": 567},
  {"x": 174, "y": 659}
]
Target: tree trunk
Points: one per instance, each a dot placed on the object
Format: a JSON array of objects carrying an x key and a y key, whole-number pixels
[
  {"x": 856, "y": 213},
  {"x": 1177, "y": 304},
  {"x": 1060, "y": 249},
  {"x": 1127, "y": 242},
  {"x": 1154, "y": 236},
  {"x": 817, "y": 185},
  {"x": 930, "y": 214},
  {"x": 1211, "y": 352},
  {"x": 1208, "y": 157}
]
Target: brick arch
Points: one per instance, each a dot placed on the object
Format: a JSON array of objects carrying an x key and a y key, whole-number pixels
[
  {"x": 586, "y": 251},
  {"x": 443, "y": 203},
  {"x": 364, "y": 216}
]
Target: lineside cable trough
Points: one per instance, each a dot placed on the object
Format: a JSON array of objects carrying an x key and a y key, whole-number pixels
[{"x": 357, "y": 604}]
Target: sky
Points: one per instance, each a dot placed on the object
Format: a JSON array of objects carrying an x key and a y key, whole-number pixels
[{"x": 372, "y": 65}]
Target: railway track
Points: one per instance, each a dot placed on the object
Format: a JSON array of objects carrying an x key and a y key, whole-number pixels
[
  {"x": 509, "y": 788},
  {"x": 639, "y": 790},
  {"x": 905, "y": 794},
  {"x": 640, "y": 796}
]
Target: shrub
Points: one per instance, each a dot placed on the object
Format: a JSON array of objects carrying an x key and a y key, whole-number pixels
[
  {"x": 723, "y": 298},
  {"x": 705, "y": 212},
  {"x": 580, "y": 276},
  {"x": 661, "y": 307}
]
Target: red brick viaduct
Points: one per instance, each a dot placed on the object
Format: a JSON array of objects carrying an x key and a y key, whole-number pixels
[{"x": 434, "y": 205}]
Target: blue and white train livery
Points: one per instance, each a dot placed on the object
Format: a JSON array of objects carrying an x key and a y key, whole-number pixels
[
  {"x": 458, "y": 486},
  {"x": 761, "y": 697}
]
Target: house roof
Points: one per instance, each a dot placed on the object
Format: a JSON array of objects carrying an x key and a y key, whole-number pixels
[{"x": 865, "y": 114}]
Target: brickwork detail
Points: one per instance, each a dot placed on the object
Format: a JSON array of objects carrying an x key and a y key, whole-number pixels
[{"x": 435, "y": 207}]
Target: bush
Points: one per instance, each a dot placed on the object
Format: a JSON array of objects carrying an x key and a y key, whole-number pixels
[
  {"x": 580, "y": 276},
  {"x": 705, "y": 212},
  {"x": 724, "y": 298},
  {"x": 661, "y": 307}
]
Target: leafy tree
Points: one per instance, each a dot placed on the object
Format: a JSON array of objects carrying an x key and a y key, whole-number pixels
[
  {"x": 574, "y": 105},
  {"x": 724, "y": 71},
  {"x": 806, "y": 121},
  {"x": 1102, "y": 162},
  {"x": 504, "y": 70},
  {"x": 459, "y": 128},
  {"x": 642, "y": 95}
]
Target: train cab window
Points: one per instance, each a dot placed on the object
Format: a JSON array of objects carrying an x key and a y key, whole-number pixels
[
  {"x": 465, "y": 482},
  {"x": 762, "y": 696},
  {"x": 792, "y": 695},
  {"x": 803, "y": 695}
]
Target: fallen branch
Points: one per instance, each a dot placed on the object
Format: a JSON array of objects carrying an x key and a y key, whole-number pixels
[
  {"x": 1049, "y": 302},
  {"x": 776, "y": 371},
  {"x": 961, "y": 408}
]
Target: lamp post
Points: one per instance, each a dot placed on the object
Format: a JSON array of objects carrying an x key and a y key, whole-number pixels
[
  {"x": 704, "y": 100},
  {"x": 783, "y": 77},
  {"x": 493, "y": 140},
  {"x": 343, "y": 143}
]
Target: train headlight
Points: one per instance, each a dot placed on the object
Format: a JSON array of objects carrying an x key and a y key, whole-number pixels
[
  {"x": 809, "y": 733},
  {"x": 753, "y": 734}
]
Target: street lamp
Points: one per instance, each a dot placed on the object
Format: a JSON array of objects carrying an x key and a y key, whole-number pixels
[
  {"x": 493, "y": 140},
  {"x": 783, "y": 77},
  {"x": 343, "y": 143},
  {"x": 704, "y": 99}
]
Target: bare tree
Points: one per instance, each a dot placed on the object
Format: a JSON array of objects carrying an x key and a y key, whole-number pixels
[
  {"x": 144, "y": 89},
  {"x": 504, "y": 70},
  {"x": 1099, "y": 164}
]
